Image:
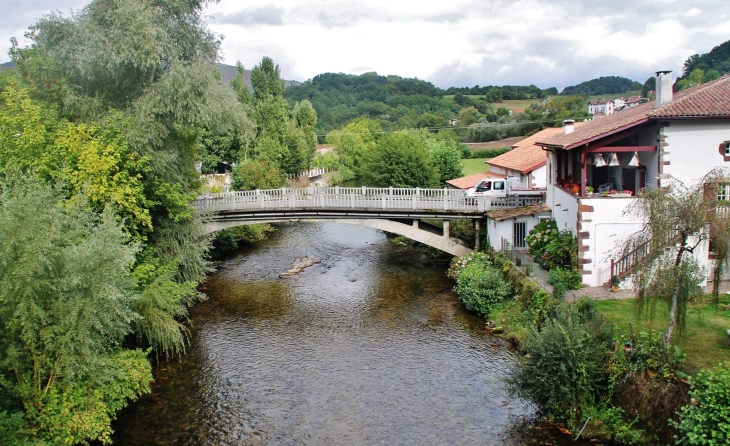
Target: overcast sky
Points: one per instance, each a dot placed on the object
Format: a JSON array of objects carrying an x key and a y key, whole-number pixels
[{"x": 459, "y": 42}]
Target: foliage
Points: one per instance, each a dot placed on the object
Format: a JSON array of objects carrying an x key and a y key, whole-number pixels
[
  {"x": 353, "y": 143},
  {"x": 480, "y": 286},
  {"x": 673, "y": 217},
  {"x": 717, "y": 59},
  {"x": 602, "y": 85},
  {"x": 446, "y": 158},
  {"x": 506, "y": 92},
  {"x": 559, "y": 109},
  {"x": 400, "y": 159},
  {"x": 540, "y": 237},
  {"x": 459, "y": 263},
  {"x": 230, "y": 239},
  {"x": 570, "y": 278},
  {"x": 489, "y": 153},
  {"x": 65, "y": 307},
  {"x": 706, "y": 421},
  {"x": 563, "y": 369},
  {"x": 251, "y": 175},
  {"x": 394, "y": 102}
]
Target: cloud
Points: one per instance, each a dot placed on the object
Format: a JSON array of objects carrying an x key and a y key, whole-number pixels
[{"x": 268, "y": 15}]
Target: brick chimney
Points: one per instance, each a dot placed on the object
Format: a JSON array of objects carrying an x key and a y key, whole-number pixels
[
  {"x": 568, "y": 126},
  {"x": 663, "y": 88}
]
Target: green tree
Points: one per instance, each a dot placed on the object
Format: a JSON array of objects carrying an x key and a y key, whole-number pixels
[
  {"x": 446, "y": 156},
  {"x": 65, "y": 307},
  {"x": 468, "y": 115},
  {"x": 353, "y": 143},
  {"x": 260, "y": 174},
  {"x": 692, "y": 80},
  {"x": 674, "y": 222},
  {"x": 400, "y": 159}
]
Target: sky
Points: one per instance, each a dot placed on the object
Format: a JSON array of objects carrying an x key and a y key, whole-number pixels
[{"x": 549, "y": 43}]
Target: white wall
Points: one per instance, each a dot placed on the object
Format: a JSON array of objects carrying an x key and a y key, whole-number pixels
[
  {"x": 539, "y": 177},
  {"x": 565, "y": 215},
  {"x": 496, "y": 230},
  {"x": 693, "y": 147}
]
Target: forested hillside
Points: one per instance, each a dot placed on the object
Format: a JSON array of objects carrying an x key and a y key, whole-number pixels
[
  {"x": 701, "y": 68},
  {"x": 496, "y": 93},
  {"x": 602, "y": 85},
  {"x": 394, "y": 101}
]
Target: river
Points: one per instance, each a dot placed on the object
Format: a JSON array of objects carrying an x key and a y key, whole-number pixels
[{"x": 371, "y": 346}]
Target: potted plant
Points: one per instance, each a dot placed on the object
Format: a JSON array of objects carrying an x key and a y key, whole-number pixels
[
  {"x": 589, "y": 191},
  {"x": 624, "y": 193},
  {"x": 574, "y": 189}
]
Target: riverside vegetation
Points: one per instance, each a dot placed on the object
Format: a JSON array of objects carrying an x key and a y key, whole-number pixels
[{"x": 609, "y": 383}]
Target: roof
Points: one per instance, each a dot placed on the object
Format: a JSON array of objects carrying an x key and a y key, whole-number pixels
[
  {"x": 472, "y": 180},
  {"x": 527, "y": 156},
  {"x": 504, "y": 214},
  {"x": 702, "y": 101}
]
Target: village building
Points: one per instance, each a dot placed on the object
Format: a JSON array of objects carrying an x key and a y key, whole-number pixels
[
  {"x": 601, "y": 107},
  {"x": 679, "y": 136}
]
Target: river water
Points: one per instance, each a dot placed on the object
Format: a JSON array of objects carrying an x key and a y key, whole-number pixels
[{"x": 371, "y": 346}]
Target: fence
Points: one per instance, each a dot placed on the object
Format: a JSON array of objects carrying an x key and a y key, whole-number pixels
[
  {"x": 522, "y": 260},
  {"x": 364, "y": 198},
  {"x": 311, "y": 173}
]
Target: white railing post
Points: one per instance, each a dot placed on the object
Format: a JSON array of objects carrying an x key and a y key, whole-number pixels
[{"x": 415, "y": 197}]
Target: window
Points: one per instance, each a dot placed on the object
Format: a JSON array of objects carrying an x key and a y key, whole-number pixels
[
  {"x": 499, "y": 185},
  {"x": 485, "y": 186},
  {"x": 723, "y": 192},
  {"x": 519, "y": 230},
  {"x": 725, "y": 150}
]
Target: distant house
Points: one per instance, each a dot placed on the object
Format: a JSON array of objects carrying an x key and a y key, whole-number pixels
[
  {"x": 603, "y": 106},
  {"x": 633, "y": 101},
  {"x": 453, "y": 121},
  {"x": 470, "y": 181},
  {"x": 619, "y": 104}
]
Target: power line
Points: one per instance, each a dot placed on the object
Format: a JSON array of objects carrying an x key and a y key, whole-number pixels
[{"x": 448, "y": 127}]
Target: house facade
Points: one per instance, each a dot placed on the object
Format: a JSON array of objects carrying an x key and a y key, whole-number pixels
[
  {"x": 680, "y": 136},
  {"x": 601, "y": 107}
]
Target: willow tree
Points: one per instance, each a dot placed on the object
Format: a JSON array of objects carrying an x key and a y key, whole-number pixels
[
  {"x": 677, "y": 221},
  {"x": 148, "y": 64}
]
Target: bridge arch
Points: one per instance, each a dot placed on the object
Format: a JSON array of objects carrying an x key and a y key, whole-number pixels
[{"x": 411, "y": 231}]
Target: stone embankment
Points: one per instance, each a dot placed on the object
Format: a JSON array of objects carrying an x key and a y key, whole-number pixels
[{"x": 299, "y": 266}]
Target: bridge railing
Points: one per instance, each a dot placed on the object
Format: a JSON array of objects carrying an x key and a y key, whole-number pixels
[{"x": 365, "y": 198}]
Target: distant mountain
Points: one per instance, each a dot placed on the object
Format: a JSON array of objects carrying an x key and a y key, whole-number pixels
[
  {"x": 227, "y": 71},
  {"x": 603, "y": 85}
]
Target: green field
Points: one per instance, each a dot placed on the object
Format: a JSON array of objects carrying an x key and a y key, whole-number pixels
[
  {"x": 472, "y": 166},
  {"x": 704, "y": 339},
  {"x": 515, "y": 103}
]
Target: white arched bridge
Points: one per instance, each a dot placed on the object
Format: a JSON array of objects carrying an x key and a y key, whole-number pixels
[{"x": 394, "y": 210}]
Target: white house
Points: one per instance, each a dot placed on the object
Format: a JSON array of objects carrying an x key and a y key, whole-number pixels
[
  {"x": 513, "y": 224},
  {"x": 619, "y": 104},
  {"x": 601, "y": 108},
  {"x": 680, "y": 136}
]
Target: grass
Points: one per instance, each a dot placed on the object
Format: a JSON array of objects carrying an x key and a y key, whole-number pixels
[
  {"x": 703, "y": 340},
  {"x": 511, "y": 103},
  {"x": 475, "y": 165}
]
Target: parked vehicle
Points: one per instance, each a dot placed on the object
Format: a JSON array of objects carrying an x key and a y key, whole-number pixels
[{"x": 502, "y": 187}]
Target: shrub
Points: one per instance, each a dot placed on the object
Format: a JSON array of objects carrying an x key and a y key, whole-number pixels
[
  {"x": 563, "y": 370},
  {"x": 540, "y": 237},
  {"x": 561, "y": 252},
  {"x": 481, "y": 286},
  {"x": 459, "y": 263},
  {"x": 707, "y": 420},
  {"x": 490, "y": 153},
  {"x": 571, "y": 279}
]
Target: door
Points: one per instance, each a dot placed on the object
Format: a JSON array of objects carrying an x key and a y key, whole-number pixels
[
  {"x": 628, "y": 178},
  {"x": 519, "y": 231}
]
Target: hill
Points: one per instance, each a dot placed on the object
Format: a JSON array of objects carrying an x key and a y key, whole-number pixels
[
  {"x": 393, "y": 101},
  {"x": 700, "y": 68},
  {"x": 604, "y": 85}
]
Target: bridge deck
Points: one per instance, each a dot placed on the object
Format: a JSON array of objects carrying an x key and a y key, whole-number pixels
[{"x": 365, "y": 200}]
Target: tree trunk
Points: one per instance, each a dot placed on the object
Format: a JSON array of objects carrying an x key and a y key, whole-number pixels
[
  {"x": 675, "y": 293},
  {"x": 717, "y": 275}
]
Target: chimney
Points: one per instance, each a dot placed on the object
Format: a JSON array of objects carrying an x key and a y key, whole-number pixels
[
  {"x": 663, "y": 88},
  {"x": 568, "y": 126}
]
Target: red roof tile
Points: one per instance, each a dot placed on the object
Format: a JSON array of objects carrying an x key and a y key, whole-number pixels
[
  {"x": 526, "y": 155},
  {"x": 707, "y": 100}
]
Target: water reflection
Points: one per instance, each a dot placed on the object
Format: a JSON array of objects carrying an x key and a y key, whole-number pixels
[{"x": 367, "y": 347}]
